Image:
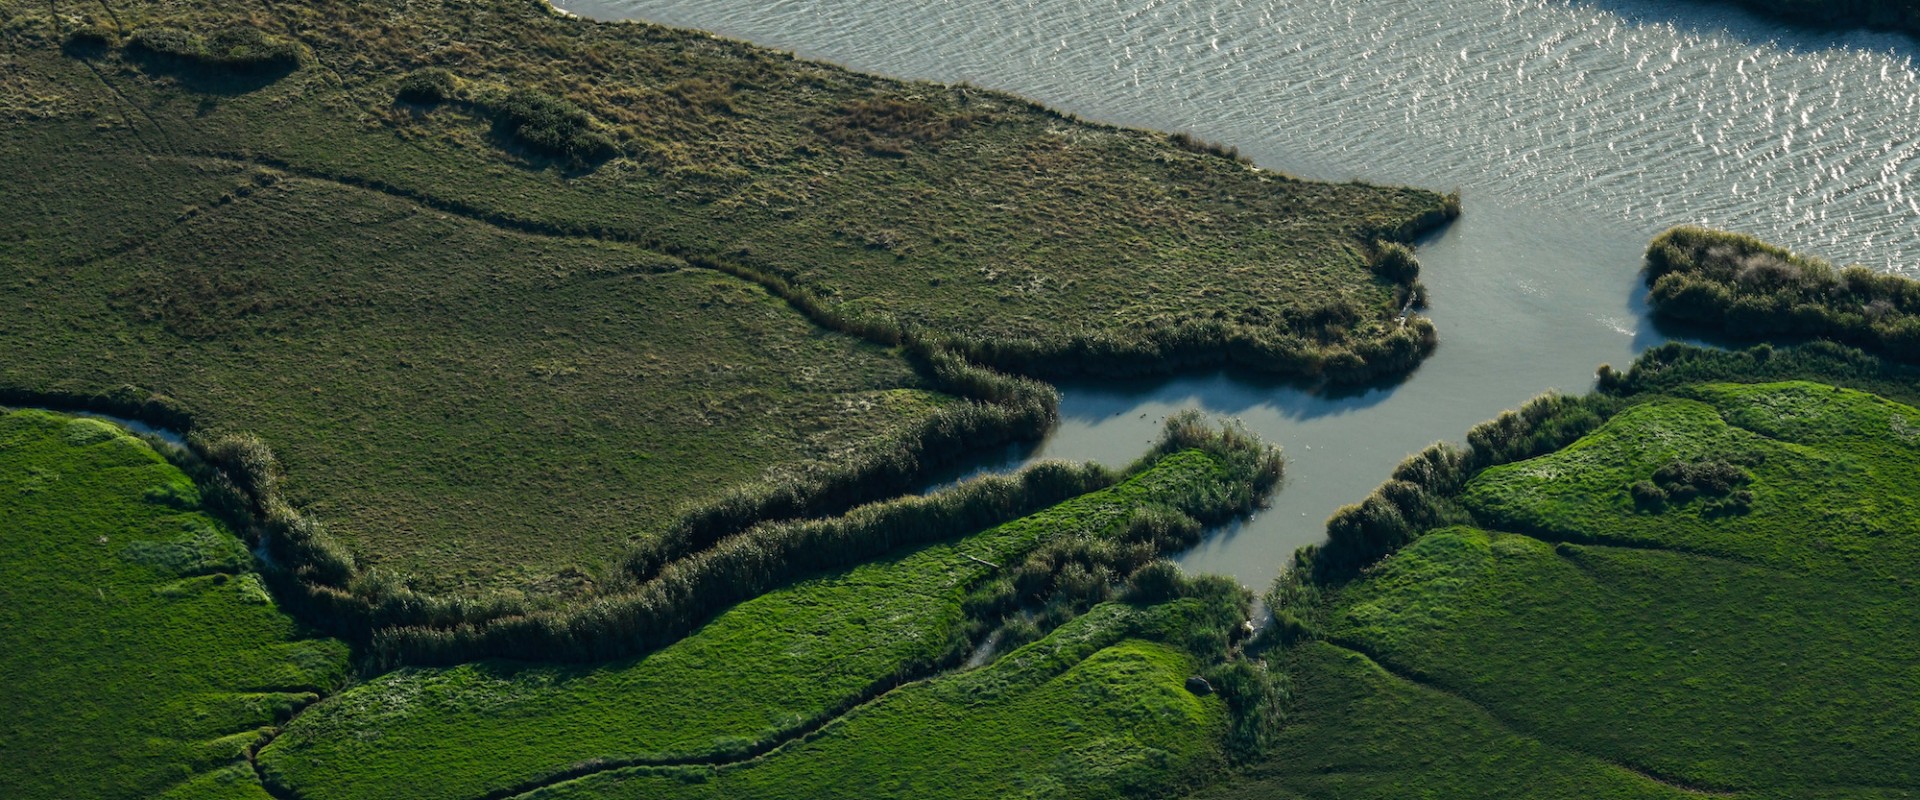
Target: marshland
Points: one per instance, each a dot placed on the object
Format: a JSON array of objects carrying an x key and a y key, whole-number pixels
[{"x": 603, "y": 409}]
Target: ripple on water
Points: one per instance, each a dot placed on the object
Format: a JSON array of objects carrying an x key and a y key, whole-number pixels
[{"x": 1620, "y": 109}]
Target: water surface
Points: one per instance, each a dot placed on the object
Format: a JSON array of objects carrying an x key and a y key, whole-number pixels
[{"x": 1575, "y": 132}]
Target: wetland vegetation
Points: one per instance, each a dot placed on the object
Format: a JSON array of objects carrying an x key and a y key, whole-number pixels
[
  {"x": 567, "y": 383},
  {"x": 504, "y": 313},
  {"x": 1522, "y": 600}
]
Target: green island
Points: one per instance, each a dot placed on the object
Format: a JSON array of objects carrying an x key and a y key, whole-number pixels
[{"x": 557, "y": 398}]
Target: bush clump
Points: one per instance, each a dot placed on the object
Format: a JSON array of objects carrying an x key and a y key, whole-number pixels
[
  {"x": 237, "y": 48},
  {"x": 426, "y": 87},
  {"x": 1198, "y": 146},
  {"x": 551, "y": 126},
  {"x": 1393, "y": 262},
  {"x": 1678, "y": 482},
  {"x": 1744, "y": 288}
]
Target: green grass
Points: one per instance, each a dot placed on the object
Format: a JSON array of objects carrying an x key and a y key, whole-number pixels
[
  {"x": 1097, "y": 709},
  {"x": 139, "y": 649},
  {"x": 1359, "y": 732},
  {"x": 763, "y": 669},
  {"x": 477, "y": 409},
  {"x": 1572, "y": 638}
]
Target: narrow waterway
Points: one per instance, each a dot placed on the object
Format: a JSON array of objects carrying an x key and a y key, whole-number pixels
[{"x": 1575, "y": 132}]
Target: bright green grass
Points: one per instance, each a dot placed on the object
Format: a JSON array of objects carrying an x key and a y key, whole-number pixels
[
  {"x": 1361, "y": 733},
  {"x": 481, "y": 409},
  {"x": 1620, "y": 652},
  {"x": 137, "y": 647},
  {"x": 1833, "y": 494},
  {"x": 765, "y": 667},
  {"x": 1090, "y": 711}
]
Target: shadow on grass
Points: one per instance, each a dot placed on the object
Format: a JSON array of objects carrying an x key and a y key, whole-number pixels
[{"x": 219, "y": 81}]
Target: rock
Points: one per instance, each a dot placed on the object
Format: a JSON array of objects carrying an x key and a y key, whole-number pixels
[{"x": 1199, "y": 685}]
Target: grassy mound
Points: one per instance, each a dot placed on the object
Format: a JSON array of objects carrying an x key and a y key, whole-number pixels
[
  {"x": 140, "y": 651},
  {"x": 237, "y": 48},
  {"x": 1579, "y": 641},
  {"x": 761, "y": 671},
  {"x": 1098, "y": 709}
]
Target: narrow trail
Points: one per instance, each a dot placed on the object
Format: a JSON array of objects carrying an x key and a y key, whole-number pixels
[{"x": 1424, "y": 682}]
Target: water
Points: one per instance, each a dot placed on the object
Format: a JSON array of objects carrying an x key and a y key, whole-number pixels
[{"x": 1574, "y": 132}]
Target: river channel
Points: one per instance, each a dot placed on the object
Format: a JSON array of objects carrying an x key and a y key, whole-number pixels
[{"x": 1575, "y": 131}]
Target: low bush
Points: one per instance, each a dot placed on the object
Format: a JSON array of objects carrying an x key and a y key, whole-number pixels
[
  {"x": 1196, "y": 145},
  {"x": 1685, "y": 480},
  {"x": 426, "y": 87},
  {"x": 1394, "y": 262},
  {"x": 237, "y": 48},
  {"x": 550, "y": 126}
]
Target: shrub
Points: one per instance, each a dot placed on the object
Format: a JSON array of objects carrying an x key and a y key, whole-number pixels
[
  {"x": 1394, "y": 262},
  {"x": 551, "y": 126},
  {"x": 1683, "y": 480},
  {"x": 1647, "y": 495},
  {"x": 238, "y": 48},
  {"x": 1196, "y": 145},
  {"x": 88, "y": 41},
  {"x": 426, "y": 87}
]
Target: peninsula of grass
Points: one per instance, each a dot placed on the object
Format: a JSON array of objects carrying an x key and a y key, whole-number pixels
[
  {"x": 1737, "y": 286},
  {"x": 1097, "y": 709},
  {"x": 758, "y": 673},
  {"x": 141, "y": 654},
  {"x": 1681, "y": 584}
]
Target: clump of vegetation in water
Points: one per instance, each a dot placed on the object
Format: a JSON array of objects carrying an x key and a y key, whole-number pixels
[
  {"x": 141, "y": 652},
  {"x": 1742, "y": 287},
  {"x": 1899, "y": 15}
]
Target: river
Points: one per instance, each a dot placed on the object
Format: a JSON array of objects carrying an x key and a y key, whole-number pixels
[{"x": 1574, "y": 132}]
